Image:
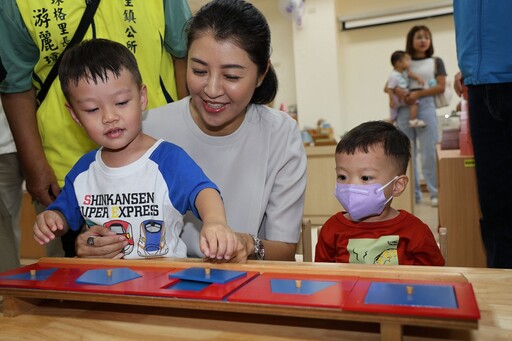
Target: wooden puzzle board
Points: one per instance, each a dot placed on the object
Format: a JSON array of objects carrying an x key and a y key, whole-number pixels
[
  {"x": 338, "y": 297},
  {"x": 148, "y": 282}
]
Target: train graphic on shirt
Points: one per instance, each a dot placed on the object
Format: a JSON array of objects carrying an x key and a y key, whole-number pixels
[
  {"x": 152, "y": 239},
  {"x": 122, "y": 228}
]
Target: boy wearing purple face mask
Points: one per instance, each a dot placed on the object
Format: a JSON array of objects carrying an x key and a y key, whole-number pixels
[{"x": 371, "y": 162}]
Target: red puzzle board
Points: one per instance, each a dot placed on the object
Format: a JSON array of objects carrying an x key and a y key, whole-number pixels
[
  {"x": 349, "y": 295},
  {"x": 348, "y": 292},
  {"x": 467, "y": 305},
  {"x": 153, "y": 282},
  {"x": 259, "y": 291}
]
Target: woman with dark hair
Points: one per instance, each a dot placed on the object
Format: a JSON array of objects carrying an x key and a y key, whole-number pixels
[
  {"x": 253, "y": 153},
  {"x": 431, "y": 69}
]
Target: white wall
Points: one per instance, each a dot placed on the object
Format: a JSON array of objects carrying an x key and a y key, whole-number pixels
[
  {"x": 282, "y": 56},
  {"x": 365, "y": 64},
  {"x": 317, "y": 64}
]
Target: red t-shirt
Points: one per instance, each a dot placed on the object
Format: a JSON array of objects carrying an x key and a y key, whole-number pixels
[{"x": 403, "y": 240}]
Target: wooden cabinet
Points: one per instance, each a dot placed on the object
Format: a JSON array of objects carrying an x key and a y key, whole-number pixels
[
  {"x": 459, "y": 210},
  {"x": 320, "y": 203}
]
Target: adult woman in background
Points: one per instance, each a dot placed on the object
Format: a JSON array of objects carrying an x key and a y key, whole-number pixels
[
  {"x": 431, "y": 69},
  {"x": 253, "y": 153}
]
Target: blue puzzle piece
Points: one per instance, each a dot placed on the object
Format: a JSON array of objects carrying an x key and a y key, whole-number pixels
[
  {"x": 423, "y": 295},
  {"x": 215, "y": 276},
  {"x": 188, "y": 285},
  {"x": 99, "y": 276},
  {"x": 289, "y": 286},
  {"x": 41, "y": 275}
]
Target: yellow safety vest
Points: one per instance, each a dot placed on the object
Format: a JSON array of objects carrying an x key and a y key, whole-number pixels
[{"x": 139, "y": 24}]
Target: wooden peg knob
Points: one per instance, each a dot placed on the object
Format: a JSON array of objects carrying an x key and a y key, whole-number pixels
[
  {"x": 410, "y": 289},
  {"x": 33, "y": 273},
  {"x": 109, "y": 272},
  {"x": 298, "y": 283},
  {"x": 207, "y": 271}
]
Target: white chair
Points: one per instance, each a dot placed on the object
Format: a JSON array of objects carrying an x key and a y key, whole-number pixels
[{"x": 443, "y": 243}]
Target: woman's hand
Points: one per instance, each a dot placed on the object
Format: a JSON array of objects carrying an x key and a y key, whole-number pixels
[
  {"x": 103, "y": 243},
  {"x": 412, "y": 97},
  {"x": 401, "y": 93}
]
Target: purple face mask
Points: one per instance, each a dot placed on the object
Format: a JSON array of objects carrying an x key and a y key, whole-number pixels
[{"x": 362, "y": 201}]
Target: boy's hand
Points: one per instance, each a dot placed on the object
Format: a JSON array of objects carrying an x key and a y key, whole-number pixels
[
  {"x": 46, "y": 225},
  {"x": 218, "y": 241}
]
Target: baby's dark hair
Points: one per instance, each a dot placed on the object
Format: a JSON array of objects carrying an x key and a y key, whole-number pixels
[
  {"x": 242, "y": 24},
  {"x": 396, "y": 56},
  {"x": 395, "y": 143},
  {"x": 93, "y": 59}
]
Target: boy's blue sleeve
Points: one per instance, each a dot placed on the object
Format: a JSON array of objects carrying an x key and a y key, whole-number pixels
[{"x": 184, "y": 178}]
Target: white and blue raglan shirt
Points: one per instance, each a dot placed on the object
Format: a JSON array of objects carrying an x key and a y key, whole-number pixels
[{"x": 145, "y": 201}]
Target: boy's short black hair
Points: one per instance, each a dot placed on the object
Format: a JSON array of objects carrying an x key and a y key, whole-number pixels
[
  {"x": 395, "y": 143},
  {"x": 93, "y": 59},
  {"x": 396, "y": 56}
]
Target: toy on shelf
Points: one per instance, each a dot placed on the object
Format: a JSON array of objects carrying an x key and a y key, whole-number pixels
[{"x": 322, "y": 135}]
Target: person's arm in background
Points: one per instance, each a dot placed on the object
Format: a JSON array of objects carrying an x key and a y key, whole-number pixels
[
  {"x": 416, "y": 77},
  {"x": 177, "y": 13},
  {"x": 20, "y": 109},
  {"x": 458, "y": 83},
  {"x": 180, "y": 74},
  {"x": 438, "y": 89},
  {"x": 19, "y": 56}
]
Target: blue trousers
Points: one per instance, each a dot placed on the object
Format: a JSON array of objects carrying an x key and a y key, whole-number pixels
[
  {"x": 427, "y": 137},
  {"x": 490, "y": 120}
]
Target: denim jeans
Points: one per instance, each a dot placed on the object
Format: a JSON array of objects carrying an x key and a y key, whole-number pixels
[
  {"x": 427, "y": 137},
  {"x": 490, "y": 119}
]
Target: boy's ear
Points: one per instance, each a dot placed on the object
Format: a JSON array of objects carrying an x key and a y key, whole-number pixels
[
  {"x": 143, "y": 97},
  {"x": 73, "y": 115},
  {"x": 400, "y": 185}
]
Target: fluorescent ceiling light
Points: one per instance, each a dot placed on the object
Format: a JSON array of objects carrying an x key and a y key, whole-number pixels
[{"x": 398, "y": 15}]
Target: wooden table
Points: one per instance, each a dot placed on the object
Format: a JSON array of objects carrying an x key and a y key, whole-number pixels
[{"x": 97, "y": 318}]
